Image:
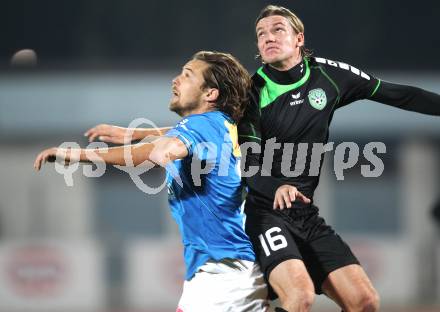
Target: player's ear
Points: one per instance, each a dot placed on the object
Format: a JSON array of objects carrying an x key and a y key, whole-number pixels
[
  {"x": 211, "y": 94},
  {"x": 300, "y": 39}
]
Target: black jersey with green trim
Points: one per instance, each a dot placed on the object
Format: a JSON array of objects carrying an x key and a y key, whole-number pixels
[{"x": 290, "y": 113}]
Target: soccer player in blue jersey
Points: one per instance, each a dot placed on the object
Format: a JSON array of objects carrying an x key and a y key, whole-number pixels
[{"x": 210, "y": 94}]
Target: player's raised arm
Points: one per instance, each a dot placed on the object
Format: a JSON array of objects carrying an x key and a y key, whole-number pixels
[
  {"x": 121, "y": 135},
  {"x": 408, "y": 98},
  {"x": 159, "y": 152},
  {"x": 354, "y": 84}
]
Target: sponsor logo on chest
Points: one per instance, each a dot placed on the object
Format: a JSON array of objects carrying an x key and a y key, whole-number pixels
[
  {"x": 317, "y": 99},
  {"x": 296, "y": 99}
]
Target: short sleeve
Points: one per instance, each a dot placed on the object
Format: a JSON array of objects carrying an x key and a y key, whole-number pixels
[{"x": 192, "y": 131}]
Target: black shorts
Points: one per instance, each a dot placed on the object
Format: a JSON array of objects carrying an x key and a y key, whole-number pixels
[{"x": 296, "y": 233}]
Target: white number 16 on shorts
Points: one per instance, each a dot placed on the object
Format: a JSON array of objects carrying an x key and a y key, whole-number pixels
[{"x": 274, "y": 240}]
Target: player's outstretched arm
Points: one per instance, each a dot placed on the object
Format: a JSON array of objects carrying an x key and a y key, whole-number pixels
[
  {"x": 408, "y": 98},
  {"x": 120, "y": 135},
  {"x": 158, "y": 152},
  {"x": 354, "y": 84},
  {"x": 286, "y": 195}
]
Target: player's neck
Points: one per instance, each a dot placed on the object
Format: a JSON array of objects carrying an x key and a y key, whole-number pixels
[
  {"x": 290, "y": 76},
  {"x": 287, "y": 64},
  {"x": 203, "y": 108}
]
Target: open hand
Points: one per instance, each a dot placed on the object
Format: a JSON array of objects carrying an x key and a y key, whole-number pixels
[
  {"x": 286, "y": 195},
  {"x": 48, "y": 155},
  {"x": 107, "y": 133},
  {"x": 66, "y": 156}
]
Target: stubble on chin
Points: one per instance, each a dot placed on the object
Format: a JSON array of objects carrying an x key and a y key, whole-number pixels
[
  {"x": 183, "y": 110},
  {"x": 174, "y": 107}
]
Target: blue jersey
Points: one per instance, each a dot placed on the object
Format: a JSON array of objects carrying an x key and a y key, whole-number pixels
[{"x": 204, "y": 191}]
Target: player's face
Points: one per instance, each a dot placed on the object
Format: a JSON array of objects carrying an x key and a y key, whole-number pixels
[
  {"x": 277, "y": 41},
  {"x": 187, "y": 88}
]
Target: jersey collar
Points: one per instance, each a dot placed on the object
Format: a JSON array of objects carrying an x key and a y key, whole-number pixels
[{"x": 273, "y": 90}]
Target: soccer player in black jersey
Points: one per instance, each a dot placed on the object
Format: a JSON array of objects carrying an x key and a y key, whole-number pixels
[{"x": 294, "y": 97}]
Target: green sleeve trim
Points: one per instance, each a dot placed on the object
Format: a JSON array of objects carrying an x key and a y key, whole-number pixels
[
  {"x": 253, "y": 130},
  {"x": 377, "y": 87},
  {"x": 250, "y": 136},
  {"x": 271, "y": 90}
]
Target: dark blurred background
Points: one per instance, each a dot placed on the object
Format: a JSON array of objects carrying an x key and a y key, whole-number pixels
[{"x": 372, "y": 34}]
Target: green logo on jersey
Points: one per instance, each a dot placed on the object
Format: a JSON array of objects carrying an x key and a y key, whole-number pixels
[{"x": 317, "y": 98}]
